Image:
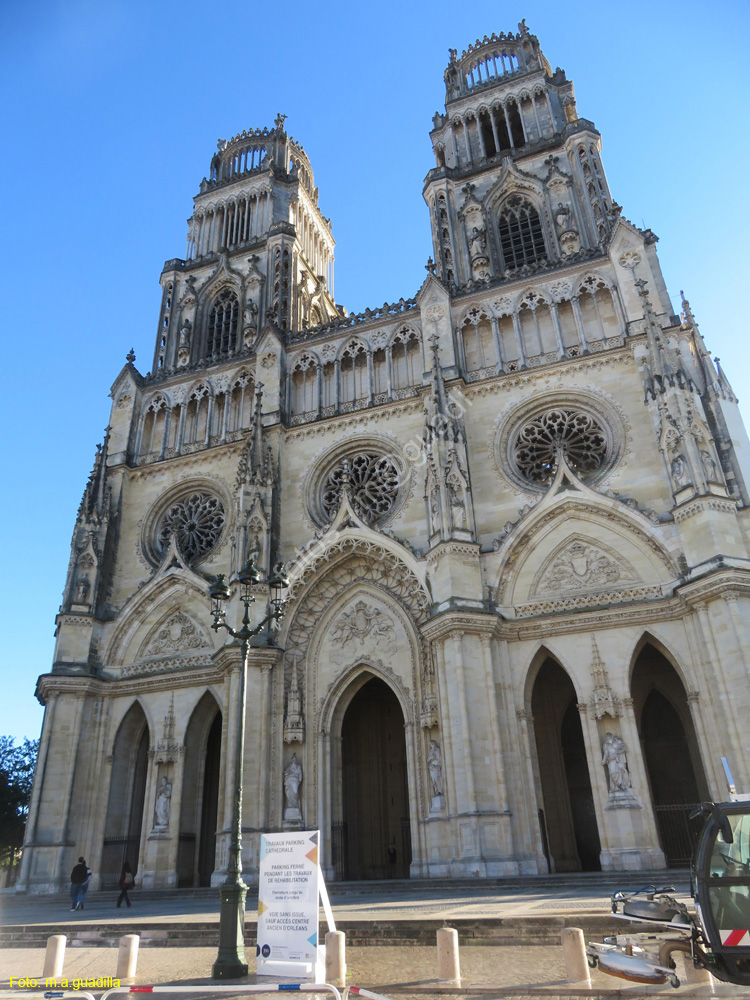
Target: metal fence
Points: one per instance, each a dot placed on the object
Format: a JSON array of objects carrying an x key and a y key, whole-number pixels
[{"x": 677, "y": 833}]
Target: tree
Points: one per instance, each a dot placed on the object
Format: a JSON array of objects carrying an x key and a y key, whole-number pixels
[{"x": 17, "y": 765}]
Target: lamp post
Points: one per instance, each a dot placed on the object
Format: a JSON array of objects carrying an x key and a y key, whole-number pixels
[{"x": 230, "y": 962}]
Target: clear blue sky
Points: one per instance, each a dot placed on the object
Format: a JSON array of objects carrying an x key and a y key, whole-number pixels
[{"x": 111, "y": 114}]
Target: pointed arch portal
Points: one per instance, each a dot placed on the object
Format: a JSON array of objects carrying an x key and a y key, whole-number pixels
[
  {"x": 200, "y": 797},
  {"x": 371, "y": 819},
  {"x": 670, "y": 750},
  {"x": 127, "y": 792},
  {"x": 568, "y": 819}
]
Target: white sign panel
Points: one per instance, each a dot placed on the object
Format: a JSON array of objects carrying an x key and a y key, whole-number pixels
[{"x": 287, "y": 943}]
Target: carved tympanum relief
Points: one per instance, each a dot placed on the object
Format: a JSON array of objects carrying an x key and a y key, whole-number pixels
[
  {"x": 178, "y": 634},
  {"x": 582, "y": 566},
  {"x": 362, "y": 628}
]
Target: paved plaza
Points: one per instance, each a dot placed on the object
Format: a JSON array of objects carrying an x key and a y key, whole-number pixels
[{"x": 390, "y": 969}]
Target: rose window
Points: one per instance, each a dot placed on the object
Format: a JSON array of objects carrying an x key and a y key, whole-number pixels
[
  {"x": 579, "y": 435},
  {"x": 374, "y": 482},
  {"x": 196, "y": 522}
]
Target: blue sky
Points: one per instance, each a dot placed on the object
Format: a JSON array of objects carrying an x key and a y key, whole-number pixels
[{"x": 111, "y": 112}]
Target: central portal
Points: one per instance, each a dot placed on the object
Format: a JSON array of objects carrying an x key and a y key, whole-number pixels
[{"x": 375, "y": 830}]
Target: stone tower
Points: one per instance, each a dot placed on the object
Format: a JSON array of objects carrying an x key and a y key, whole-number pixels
[{"x": 513, "y": 508}]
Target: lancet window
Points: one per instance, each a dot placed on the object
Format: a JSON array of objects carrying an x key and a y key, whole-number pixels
[
  {"x": 406, "y": 366},
  {"x": 197, "y": 416},
  {"x": 154, "y": 425},
  {"x": 305, "y": 386},
  {"x": 521, "y": 236},
  {"x": 240, "y": 415},
  {"x": 222, "y": 324},
  {"x": 354, "y": 375},
  {"x": 478, "y": 341}
]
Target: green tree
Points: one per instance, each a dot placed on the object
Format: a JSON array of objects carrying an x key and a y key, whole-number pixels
[{"x": 16, "y": 776}]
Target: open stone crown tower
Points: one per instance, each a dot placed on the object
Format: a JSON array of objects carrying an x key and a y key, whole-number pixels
[{"x": 513, "y": 508}]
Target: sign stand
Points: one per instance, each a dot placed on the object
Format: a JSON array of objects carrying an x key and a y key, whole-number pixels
[{"x": 289, "y": 886}]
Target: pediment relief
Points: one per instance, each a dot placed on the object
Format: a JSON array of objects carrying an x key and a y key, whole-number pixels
[
  {"x": 176, "y": 635},
  {"x": 580, "y": 565},
  {"x": 362, "y": 628}
]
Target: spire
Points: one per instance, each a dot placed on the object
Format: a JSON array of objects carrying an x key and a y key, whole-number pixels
[
  {"x": 665, "y": 366},
  {"x": 256, "y": 454},
  {"x": 441, "y": 419},
  {"x": 724, "y": 382},
  {"x": 95, "y": 501}
]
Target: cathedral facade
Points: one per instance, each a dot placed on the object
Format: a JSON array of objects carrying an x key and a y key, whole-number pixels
[{"x": 513, "y": 510}]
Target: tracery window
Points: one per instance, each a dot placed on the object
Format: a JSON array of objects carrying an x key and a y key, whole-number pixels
[
  {"x": 579, "y": 435},
  {"x": 222, "y": 323},
  {"x": 374, "y": 482},
  {"x": 241, "y": 402},
  {"x": 305, "y": 385},
  {"x": 521, "y": 236},
  {"x": 196, "y": 521}
]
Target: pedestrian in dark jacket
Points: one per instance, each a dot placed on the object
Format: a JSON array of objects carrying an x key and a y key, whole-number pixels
[
  {"x": 79, "y": 883},
  {"x": 126, "y": 882}
]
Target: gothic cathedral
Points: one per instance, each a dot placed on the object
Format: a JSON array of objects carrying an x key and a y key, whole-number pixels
[{"x": 513, "y": 510}]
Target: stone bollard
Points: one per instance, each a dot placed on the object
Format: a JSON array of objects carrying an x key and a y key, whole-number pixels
[
  {"x": 574, "y": 953},
  {"x": 127, "y": 956},
  {"x": 336, "y": 958},
  {"x": 54, "y": 957},
  {"x": 447, "y": 949}
]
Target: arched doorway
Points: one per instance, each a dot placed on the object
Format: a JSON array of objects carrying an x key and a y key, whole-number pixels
[
  {"x": 568, "y": 819},
  {"x": 374, "y": 792},
  {"x": 670, "y": 751},
  {"x": 200, "y": 795},
  {"x": 127, "y": 792}
]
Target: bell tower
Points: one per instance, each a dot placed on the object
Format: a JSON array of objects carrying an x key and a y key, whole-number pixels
[
  {"x": 259, "y": 251},
  {"x": 518, "y": 181}
]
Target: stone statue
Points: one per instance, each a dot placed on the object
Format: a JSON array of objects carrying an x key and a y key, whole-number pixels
[
  {"x": 434, "y": 513},
  {"x": 185, "y": 333},
  {"x": 163, "y": 804},
  {"x": 614, "y": 757},
  {"x": 82, "y": 590},
  {"x": 679, "y": 470},
  {"x": 435, "y": 767},
  {"x": 477, "y": 243},
  {"x": 709, "y": 467},
  {"x": 292, "y": 781},
  {"x": 458, "y": 508}
]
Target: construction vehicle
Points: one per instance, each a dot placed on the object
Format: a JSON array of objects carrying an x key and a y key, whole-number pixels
[{"x": 716, "y": 937}]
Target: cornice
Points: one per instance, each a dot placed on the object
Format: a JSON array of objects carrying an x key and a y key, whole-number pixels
[
  {"x": 445, "y": 622},
  {"x": 715, "y": 585}
]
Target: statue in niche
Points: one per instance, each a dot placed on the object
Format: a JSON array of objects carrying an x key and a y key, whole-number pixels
[
  {"x": 435, "y": 767},
  {"x": 615, "y": 759},
  {"x": 185, "y": 333},
  {"x": 678, "y": 470},
  {"x": 709, "y": 467},
  {"x": 163, "y": 804},
  {"x": 434, "y": 513},
  {"x": 292, "y": 781},
  {"x": 82, "y": 590},
  {"x": 458, "y": 507},
  {"x": 477, "y": 243},
  {"x": 251, "y": 321}
]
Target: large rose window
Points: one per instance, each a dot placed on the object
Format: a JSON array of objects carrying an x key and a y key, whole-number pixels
[
  {"x": 578, "y": 435},
  {"x": 373, "y": 481},
  {"x": 196, "y": 521},
  {"x": 586, "y": 432}
]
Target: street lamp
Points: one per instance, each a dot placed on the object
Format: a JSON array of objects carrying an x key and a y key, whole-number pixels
[{"x": 230, "y": 962}]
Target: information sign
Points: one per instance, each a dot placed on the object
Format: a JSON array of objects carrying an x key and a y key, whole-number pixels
[{"x": 289, "y": 884}]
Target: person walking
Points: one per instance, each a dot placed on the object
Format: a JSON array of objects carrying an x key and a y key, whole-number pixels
[
  {"x": 126, "y": 882},
  {"x": 79, "y": 883}
]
